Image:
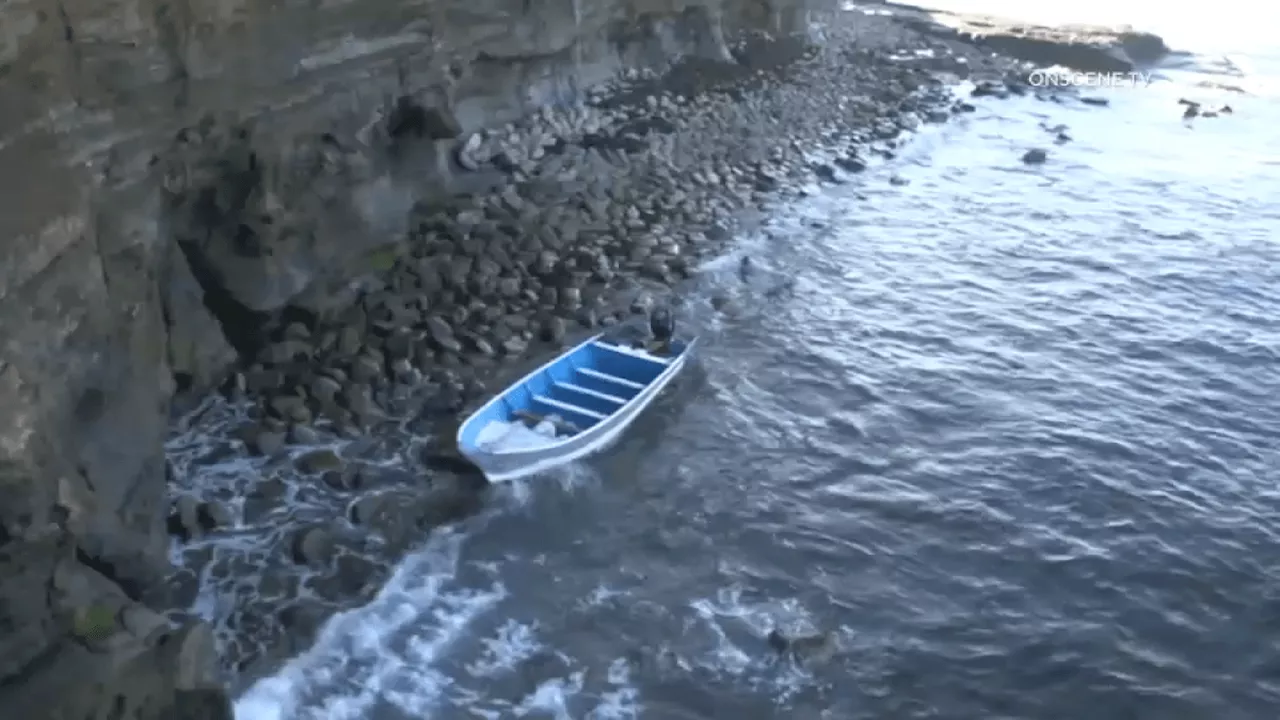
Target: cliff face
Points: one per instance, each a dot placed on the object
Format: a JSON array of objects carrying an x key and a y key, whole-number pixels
[{"x": 172, "y": 176}]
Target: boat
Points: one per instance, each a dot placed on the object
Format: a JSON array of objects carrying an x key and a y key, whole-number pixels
[{"x": 571, "y": 407}]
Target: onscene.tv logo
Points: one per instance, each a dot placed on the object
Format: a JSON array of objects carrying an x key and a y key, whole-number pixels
[{"x": 1072, "y": 78}]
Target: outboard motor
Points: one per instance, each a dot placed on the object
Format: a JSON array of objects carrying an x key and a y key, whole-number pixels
[{"x": 662, "y": 325}]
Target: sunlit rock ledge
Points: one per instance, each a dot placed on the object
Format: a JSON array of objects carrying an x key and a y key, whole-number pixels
[{"x": 1088, "y": 48}]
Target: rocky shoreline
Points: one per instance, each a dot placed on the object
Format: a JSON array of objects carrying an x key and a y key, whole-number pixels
[
  {"x": 601, "y": 208},
  {"x": 351, "y": 344}
]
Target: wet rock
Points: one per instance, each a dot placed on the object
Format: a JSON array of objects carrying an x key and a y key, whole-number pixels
[
  {"x": 365, "y": 510},
  {"x": 1016, "y": 86},
  {"x": 303, "y": 618},
  {"x": 286, "y": 351},
  {"x": 324, "y": 387},
  {"x": 366, "y": 368},
  {"x": 183, "y": 522},
  {"x": 482, "y": 346},
  {"x": 213, "y": 515},
  {"x": 452, "y": 499},
  {"x": 404, "y": 372},
  {"x": 441, "y": 333},
  {"x": 813, "y": 649},
  {"x": 345, "y": 479},
  {"x": 987, "y": 88},
  {"x": 399, "y": 345},
  {"x": 262, "y": 440},
  {"x": 263, "y": 497},
  {"x": 936, "y": 116},
  {"x": 1035, "y": 156},
  {"x": 297, "y": 331},
  {"x": 588, "y": 318},
  {"x": 826, "y": 172},
  {"x": 552, "y": 329},
  {"x": 318, "y": 461},
  {"x": 353, "y": 577},
  {"x": 358, "y": 399},
  {"x": 348, "y": 340},
  {"x": 313, "y": 546},
  {"x": 304, "y": 435},
  {"x": 195, "y": 665},
  {"x": 391, "y": 514},
  {"x": 234, "y": 387},
  {"x": 850, "y": 163},
  {"x": 292, "y": 407}
]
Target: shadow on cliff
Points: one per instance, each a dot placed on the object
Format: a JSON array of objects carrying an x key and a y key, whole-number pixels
[{"x": 263, "y": 219}]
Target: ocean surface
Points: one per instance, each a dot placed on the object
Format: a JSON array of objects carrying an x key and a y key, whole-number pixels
[{"x": 1015, "y": 435}]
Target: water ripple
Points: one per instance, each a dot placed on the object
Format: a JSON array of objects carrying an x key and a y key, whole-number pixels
[{"x": 1044, "y": 459}]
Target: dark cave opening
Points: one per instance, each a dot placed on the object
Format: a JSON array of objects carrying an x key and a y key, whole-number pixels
[{"x": 241, "y": 326}]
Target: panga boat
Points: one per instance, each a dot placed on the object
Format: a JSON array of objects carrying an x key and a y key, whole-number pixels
[{"x": 570, "y": 407}]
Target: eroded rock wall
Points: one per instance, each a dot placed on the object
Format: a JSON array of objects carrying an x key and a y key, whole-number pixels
[{"x": 173, "y": 175}]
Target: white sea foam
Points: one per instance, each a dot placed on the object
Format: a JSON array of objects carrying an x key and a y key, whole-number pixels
[
  {"x": 383, "y": 651},
  {"x": 623, "y": 701},
  {"x": 736, "y": 629},
  {"x": 431, "y": 644},
  {"x": 515, "y": 642},
  {"x": 552, "y": 697}
]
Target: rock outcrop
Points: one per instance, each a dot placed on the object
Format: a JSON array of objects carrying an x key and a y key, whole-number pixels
[
  {"x": 1087, "y": 48},
  {"x": 174, "y": 175},
  {"x": 92, "y": 651}
]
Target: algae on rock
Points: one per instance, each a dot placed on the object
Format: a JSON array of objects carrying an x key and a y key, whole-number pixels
[{"x": 95, "y": 623}]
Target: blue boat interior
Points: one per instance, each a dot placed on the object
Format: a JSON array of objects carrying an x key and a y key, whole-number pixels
[{"x": 583, "y": 387}]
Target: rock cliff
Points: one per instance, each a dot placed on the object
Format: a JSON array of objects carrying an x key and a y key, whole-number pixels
[{"x": 174, "y": 176}]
